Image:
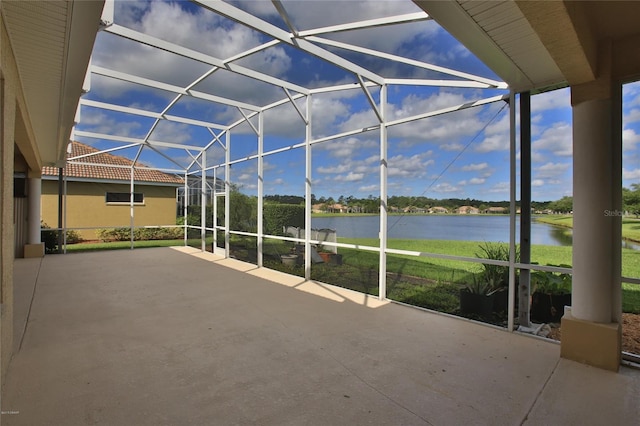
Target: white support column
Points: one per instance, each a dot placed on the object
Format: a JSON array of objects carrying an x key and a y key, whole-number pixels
[
  {"x": 35, "y": 193},
  {"x": 595, "y": 216},
  {"x": 203, "y": 203},
  {"x": 307, "y": 194},
  {"x": 591, "y": 328},
  {"x": 34, "y": 246},
  {"x": 382, "y": 279},
  {"x": 260, "y": 185}
]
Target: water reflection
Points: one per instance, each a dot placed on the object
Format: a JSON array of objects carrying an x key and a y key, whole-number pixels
[{"x": 563, "y": 236}]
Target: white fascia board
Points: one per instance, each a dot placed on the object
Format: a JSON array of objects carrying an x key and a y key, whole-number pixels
[
  {"x": 448, "y": 110},
  {"x": 369, "y": 23},
  {"x": 413, "y": 62},
  {"x": 204, "y": 58},
  {"x": 244, "y": 18},
  {"x": 170, "y": 87}
]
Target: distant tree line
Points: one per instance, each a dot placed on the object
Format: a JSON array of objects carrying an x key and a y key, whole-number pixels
[{"x": 371, "y": 204}]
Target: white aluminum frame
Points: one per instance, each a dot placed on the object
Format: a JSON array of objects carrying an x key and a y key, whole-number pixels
[{"x": 309, "y": 42}]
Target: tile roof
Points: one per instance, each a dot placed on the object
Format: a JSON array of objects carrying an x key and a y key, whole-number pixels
[{"x": 142, "y": 172}]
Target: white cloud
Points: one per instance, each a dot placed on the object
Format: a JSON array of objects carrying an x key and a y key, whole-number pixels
[
  {"x": 632, "y": 116},
  {"x": 500, "y": 187},
  {"x": 347, "y": 148},
  {"x": 368, "y": 188},
  {"x": 551, "y": 170},
  {"x": 551, "y": 100},
  {"x": 169, "y": 131},
  {"x": 630, "y": 174},
  {"x": 493, "y": 143},
  {"x": 99, "y": 122},
  {"x": 537, "y": 182},
  {"x": 631, "y": 94},
  {"x": 411, "y": 167},
  {"x": 629, "y": 139},
  {"x": 475, "y": 167},
  {"x": 350, "y": 177},
  {"x": 557, "y": 138},
  {"x": 445, "y": 188},
  {"x": 477, "y": 181}
]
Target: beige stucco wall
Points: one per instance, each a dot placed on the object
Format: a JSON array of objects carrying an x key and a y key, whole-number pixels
[
  {"x": 10, "y": 96},
  {"x": 86, "y": 206}
]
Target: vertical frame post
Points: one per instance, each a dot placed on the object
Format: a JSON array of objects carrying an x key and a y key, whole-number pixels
[
  {"x": 185, "y": 200},
  {"x": 203, "y": 203},
  {"x": 307, "y": 193},
  {"x": 382, "y": 279},
  {"x": 227, "y": 193},
  {"x": 524, "y": 286},
  {"x": 214, "y": 201},
  {"x": 131, "y": 206},
  {"x": 512, "y": 208},
  {"x": 260, "y": 185}
]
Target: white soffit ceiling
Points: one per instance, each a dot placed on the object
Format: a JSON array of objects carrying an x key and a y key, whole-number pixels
[
  {"x": 498, "y": 33},
  {"x": 52, "y": 42}
]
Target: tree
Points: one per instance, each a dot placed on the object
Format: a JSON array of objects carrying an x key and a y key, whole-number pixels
[
  {"x": 563, "y": 205},
  {"x": 631, "y": 199}
]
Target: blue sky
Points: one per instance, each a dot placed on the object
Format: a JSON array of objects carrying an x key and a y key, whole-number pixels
[{"x": 463, "y": 154}]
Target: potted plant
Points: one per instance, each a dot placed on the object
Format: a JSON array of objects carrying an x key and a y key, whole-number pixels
[
  {"x": 477, "y": 297},
  {"x": 551, "y": 293},
  {"x": 497, "y": 275}
]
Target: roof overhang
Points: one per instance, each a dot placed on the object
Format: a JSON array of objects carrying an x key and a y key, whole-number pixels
[
  {"x": 52, "y": 43},
  {"x": 535, "y": 45}
]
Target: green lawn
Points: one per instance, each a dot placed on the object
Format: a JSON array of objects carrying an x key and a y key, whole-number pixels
[
  {"x": 441, "y": 270},
  {"x": 360, "y": 268}
]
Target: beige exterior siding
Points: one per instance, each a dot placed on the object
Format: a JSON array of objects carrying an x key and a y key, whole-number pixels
[{"x": 87, "y": 207}]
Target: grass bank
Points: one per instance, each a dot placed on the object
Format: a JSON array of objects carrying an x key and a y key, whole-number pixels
[
  {"x": 444, "y": 270},
  {"x": 630, "y": 226}
]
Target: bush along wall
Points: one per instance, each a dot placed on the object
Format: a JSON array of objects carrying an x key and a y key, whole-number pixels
[{"x": 277, "y": 216}]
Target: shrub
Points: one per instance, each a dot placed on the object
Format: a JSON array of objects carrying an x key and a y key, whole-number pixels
[
  {"x": 139, "y": 234},
  {"x": 277, "y": 216},
  {"x": 50, "y": 238},
  {"x": 495, "y": 275}
]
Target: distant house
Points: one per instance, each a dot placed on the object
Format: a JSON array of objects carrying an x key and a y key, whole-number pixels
[
  {"x": 98, "y": 196},
  {"x": 337, "y": 208},
  {"x": 318, "y": 208},
  {"x": 414, "y": 209},
  {"x": 438, "y": 210},
  {"x": 468, "y": 210},
  {"x": 496, "y": 210}
]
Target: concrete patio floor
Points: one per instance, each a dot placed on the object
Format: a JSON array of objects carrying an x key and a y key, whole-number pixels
[{"x": 172, "y": 336}]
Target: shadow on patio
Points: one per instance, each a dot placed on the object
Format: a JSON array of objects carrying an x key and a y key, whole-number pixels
[{"x": 175, "y": 336}]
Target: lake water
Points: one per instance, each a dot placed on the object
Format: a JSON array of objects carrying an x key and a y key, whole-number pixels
[{"x": 442, "y": 227}]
